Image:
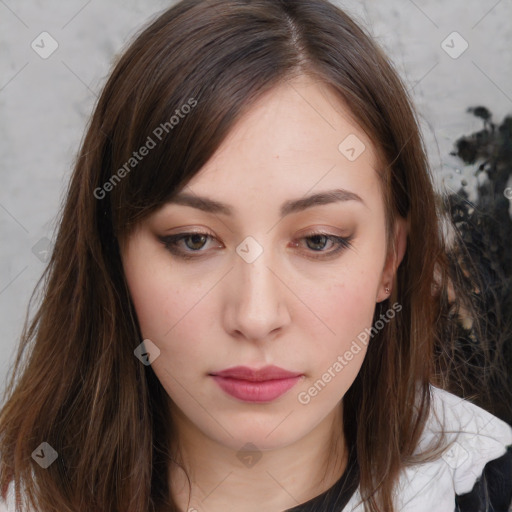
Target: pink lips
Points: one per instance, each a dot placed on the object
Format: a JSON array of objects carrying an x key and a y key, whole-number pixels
[{"x": 251, "y": 385}]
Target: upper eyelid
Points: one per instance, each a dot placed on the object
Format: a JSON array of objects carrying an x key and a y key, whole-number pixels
[
  {"x": 304, "y": 232},
  {"x": 308, "y": 234},
  {"x": 338, "y": 240}
]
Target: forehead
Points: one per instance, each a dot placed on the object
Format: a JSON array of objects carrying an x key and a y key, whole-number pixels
[
  {"x": 298, "y": 136},
  {"x": 301, "y": 123}
]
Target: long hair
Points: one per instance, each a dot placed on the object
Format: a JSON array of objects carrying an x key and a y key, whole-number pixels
[{"x": 177, "y": 90}]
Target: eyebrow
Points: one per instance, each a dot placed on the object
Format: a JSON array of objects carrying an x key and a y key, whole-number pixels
[{"x": 291, "y": 206}]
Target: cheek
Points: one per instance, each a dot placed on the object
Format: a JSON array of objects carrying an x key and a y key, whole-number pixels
[
  {"x": 173, "y": 312},
  {"x": 167, "y": 318},
  {"x": 152, "y": 303},
  {"x": 346, "y": 307},
  {"x": 161, "y": 297},
  {"x": 347, "y": 303}
]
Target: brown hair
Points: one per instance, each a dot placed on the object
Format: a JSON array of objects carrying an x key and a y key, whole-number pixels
[{"x": 81, "y": 389}]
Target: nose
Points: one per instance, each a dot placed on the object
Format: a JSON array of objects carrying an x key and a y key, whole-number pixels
[{"x": 257, "y": 308}]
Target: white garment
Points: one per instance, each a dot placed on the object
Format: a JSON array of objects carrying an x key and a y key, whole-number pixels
[{"x": 432, "y": 486}]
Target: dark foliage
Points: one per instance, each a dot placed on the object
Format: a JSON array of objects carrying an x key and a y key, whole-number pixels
[{"x": 482, "y": 266}]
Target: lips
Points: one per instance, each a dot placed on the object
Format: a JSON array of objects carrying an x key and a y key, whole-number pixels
[
  {"x": 256, "y": 385},
  {"x": 257, "y": 375}
]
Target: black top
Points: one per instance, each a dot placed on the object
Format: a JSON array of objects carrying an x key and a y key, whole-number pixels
[{"x": 335, "y": 498}]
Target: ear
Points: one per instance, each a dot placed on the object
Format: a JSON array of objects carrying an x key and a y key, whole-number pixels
[{"x": 394, "y": 258}]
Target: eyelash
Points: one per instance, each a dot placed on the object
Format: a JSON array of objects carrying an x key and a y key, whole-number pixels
[{"x": 171, "y": 242}]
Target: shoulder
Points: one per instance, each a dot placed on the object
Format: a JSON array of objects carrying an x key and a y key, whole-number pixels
[
  {"x": 478, "y": 437},
  {"x": 474, "y": 471}
]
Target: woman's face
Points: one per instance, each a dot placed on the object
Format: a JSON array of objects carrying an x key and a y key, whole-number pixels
[{"x": 255, "y": 287}]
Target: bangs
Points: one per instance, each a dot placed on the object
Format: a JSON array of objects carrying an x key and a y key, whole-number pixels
[{"x": 172, "y": 99}]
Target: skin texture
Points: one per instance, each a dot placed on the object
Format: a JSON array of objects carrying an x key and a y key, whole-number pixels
[{"x": 285, "y": 308}]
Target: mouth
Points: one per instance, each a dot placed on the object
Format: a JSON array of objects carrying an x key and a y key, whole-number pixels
[{"x": 256, "y": 385}]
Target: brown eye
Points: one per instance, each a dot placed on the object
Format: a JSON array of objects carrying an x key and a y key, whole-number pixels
[
  {"x": 198, "y": 241},
  {"x": 193, "y": 243},
  {"x": 317, "y": 242}
]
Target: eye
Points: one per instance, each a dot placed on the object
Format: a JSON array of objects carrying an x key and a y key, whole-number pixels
[
  {"x": 319, "y": 240},
  {"x": 195, "y": 241}
]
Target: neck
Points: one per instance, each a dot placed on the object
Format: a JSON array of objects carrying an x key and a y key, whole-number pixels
[{"x": 275, "y": 479}]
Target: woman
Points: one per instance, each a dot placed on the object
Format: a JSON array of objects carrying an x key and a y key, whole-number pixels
[{"x": 240, "y": 309}]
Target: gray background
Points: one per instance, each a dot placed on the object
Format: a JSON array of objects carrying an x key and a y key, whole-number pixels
[{"x": 45, "y": 103}]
